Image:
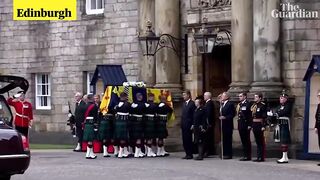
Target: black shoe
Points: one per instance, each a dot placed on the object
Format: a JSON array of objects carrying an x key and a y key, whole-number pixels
[
  {"x": 245, "y": 159},
  {"x": 187, "y": 157},
  {"x": 258, "y": 160},
  {"x": 227, "y": 157},
  {"x": 198, "y": 158},
  {"x": 77, "y": 150},
  {"x": 318, "y": 164}
]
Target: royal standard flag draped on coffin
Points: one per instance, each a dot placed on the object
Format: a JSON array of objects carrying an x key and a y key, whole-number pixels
[{"x": 112, "y": 94}]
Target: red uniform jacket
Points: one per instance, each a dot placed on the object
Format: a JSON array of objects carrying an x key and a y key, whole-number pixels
[{"x": 23, "y": 112}]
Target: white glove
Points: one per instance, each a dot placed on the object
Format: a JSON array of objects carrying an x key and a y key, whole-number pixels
[
  {"x": 269, "y": 113},
  {"x": 69, "y": 115},
  {"x": 147, "y": 104},
  {"x": 161, "y": 104},
  {"x": 120, "y": 104},
  {"x": 134, "y": 105}
]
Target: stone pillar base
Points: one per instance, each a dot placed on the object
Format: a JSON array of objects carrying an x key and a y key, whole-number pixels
[{"x": 270, "y": 90}]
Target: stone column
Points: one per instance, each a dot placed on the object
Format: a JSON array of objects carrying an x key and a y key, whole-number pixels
[
  {"x": 267, "y": 72},
  {"x": 242, "y": 35},
  {"x": 167, "y": 21},
  {"x": 147, "y": 63}
]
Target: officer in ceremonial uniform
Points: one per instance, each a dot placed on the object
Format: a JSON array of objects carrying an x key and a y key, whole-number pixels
[
  {"x": 150, "y": 124},
  {"x": 121, "y": 133},
  {"x": 136, "y": 124},
  {"x": 259, "y": 115},
  {"x": 24, "y": 115},
  {"x": 90, "y": 125},
  {"x": 199, "y": 126},
  {"x": 163, "y": 110},
  {"x": 283, "y": 113},
  {"x": 244, "y": 125},
  {"x": 317, "y": 116},
  {"x": 106, "y": 130}
]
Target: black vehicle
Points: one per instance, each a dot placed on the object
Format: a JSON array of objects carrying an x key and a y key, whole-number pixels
[{"x": 14, "y": 147}]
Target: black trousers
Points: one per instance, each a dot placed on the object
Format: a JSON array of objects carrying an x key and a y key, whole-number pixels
[
  {"x": 23, "y": 130},
  {"x": 79, "y": 133},
  {"x": 187, "y": 140},
  {"x": 318, "y": 136},
  {"x": 245, "y": 139},
  {"x": 227, "y": 130},
  {"x": 259, "y": 137},
  {"x": 209, "y": 146}
]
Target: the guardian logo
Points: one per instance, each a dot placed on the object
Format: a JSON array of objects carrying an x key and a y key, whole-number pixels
[{"x": 291, "y": 11}]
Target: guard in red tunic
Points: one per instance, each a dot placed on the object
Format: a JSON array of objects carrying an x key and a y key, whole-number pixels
[{"x": 24, "y": 115}]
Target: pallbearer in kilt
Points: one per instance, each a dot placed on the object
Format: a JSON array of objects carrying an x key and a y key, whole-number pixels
[
  {"x": 121, "y": 135},
  {"x": 283, "y": 114},
  {"x": 244, "y": 125},
  {"x": 136, "y": 131},
  {"x": 90, "y": 126},
  {"x": 163, "y": 110},
  {"x": 150, "y": 124},
  {"x": 317, "y": 116},
  {"x": 106, "y": 130},
  {"x": 259, "y": 115}
]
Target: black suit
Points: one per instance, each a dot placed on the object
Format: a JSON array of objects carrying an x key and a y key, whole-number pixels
[
  {"x": 186, "y": 123},
  {"x": 317, "y": 125},
  {"x": 228, "y": 111},
  {"x": 209, "y": 135},
  {"x": 79, "y": 118}
]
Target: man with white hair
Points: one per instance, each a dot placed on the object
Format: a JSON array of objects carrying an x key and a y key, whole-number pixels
[
  {"x": 80, "y": 109},
  {"x": 209, "y": 148}
]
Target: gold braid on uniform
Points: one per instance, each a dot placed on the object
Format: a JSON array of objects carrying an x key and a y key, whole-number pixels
[
  {"x": 254, "y": 109},
  {"x": 238, "y": 108}
]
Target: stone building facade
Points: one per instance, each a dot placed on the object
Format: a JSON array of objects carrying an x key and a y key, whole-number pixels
[{"x": 266, "y": 54}]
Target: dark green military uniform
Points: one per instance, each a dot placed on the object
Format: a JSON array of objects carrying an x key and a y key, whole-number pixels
[
  {"x": 161, "y": 125},
  {"x": 121, "y": 121},
  {"x": 150, "y": 120},
  {"x": 283, "y": 113},
  {"x": 90, "y": 122},
  {"x": 136, "y": 120},
  {"x": 105, "y": 127}
]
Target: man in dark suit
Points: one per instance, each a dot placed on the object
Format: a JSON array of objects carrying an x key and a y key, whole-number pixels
[
  {"x": 227, "y": 112},
  {"x": 209, "y": 148},
  {"x": 79, "y": 119},
  {"x": 186, "y": 123},
  {"x": 317, "y": 118}
]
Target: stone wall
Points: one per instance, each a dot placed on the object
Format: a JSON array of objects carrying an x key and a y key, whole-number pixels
[
  {"x": 67, "y": 49},
  {"x": 300, "y": 40}
]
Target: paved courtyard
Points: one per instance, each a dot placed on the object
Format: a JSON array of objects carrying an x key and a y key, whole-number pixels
[{"x": 67, "y": 165}]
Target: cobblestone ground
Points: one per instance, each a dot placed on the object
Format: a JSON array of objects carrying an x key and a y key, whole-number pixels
[{"x": 67, "y": 165}]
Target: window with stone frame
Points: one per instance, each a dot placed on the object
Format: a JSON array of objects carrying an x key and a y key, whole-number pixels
[
  {"x": 94, "y": 6},
  {"x": 89, "y": 87},
  {"x": 43, "y": 91}
]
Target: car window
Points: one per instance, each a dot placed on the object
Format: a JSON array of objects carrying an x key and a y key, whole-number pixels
[{"x": 5, "y": 113}]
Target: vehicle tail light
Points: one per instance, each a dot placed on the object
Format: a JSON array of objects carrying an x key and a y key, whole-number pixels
[{"x": 25, "y": 143}]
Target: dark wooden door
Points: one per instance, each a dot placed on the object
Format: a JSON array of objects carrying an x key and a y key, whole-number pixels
[{"x": 217, "y": 77}]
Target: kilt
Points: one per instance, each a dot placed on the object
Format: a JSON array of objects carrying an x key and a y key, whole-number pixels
[
  {"x": 105, "y": 128},
  {"x": 121, "y": 127},
  {"x": 136, "y": 128},
  {"x": 285, "y": 137},
  {"x": 88, "y": 132},
  {"x": 150, "y": 127},
  {"x": 161, "y": 127}
]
